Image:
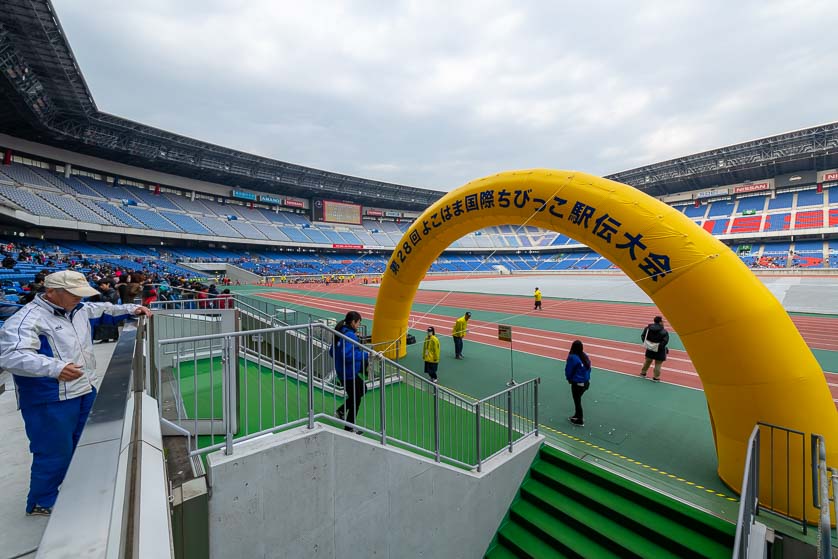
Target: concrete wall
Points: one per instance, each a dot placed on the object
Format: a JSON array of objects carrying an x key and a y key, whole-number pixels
[{"x": 325, "y": 493}]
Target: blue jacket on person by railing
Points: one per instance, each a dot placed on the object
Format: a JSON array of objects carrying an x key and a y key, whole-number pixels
[
  {"x": 575, "y": 370},
  {"x": 350, "y": 359}
]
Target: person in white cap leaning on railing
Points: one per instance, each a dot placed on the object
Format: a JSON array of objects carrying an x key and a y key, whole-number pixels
[{"x": 48, "y": 348}]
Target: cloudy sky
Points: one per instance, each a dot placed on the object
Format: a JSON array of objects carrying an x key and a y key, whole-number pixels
[{"x": 435, "y": 94}]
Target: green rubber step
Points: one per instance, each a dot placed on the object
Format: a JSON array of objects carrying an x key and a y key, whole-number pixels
[
  {"x": 653, "y": 524},
  {"x": 500, "y": 552},
  {"x": 713, "y": 527},
  {"x": 557, "y": 533},
  {"x": 621, "y": 540},
  {"x": 523, "y": 543}
]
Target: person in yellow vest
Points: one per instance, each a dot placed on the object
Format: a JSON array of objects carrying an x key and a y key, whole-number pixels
[
  {"x": 537, "y": 299},
  {"x": 430, "y": 354},
  {"x": 459, "y": 332}
]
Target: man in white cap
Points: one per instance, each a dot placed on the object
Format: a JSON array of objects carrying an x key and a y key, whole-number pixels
[{"x": 48, "y": 348}]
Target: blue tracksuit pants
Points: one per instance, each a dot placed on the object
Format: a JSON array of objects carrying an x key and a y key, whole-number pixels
[{"x": 54, "y": 430}]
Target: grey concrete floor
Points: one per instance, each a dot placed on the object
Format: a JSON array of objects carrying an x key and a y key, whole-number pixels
[{"x": 20, "y": 534}]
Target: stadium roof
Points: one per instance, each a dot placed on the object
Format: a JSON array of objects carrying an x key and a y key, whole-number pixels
[
  {"x": 44, "y": 98},
  {"x": 809, "y": 149}
]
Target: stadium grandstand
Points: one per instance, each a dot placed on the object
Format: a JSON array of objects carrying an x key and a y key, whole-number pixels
[{"x": 82, "y": 189}]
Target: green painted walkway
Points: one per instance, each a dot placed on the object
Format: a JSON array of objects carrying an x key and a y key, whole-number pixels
[
  {"x": 658, "y": 432},
  {"x": 268, "y": 399}
]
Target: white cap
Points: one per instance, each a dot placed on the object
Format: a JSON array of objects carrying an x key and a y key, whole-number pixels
[{"x": 73, "y": 282}]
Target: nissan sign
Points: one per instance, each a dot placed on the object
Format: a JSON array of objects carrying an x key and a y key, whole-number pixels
[{"x": 755, "y": 187}]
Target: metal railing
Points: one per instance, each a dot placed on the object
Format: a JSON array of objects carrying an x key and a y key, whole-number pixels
[
  {"x": 820, "y": 495},
  {"x": 833, "y": 476},
  {"x": 114, "y": 501},
  {"x": 783, "y": 444},
  {"x": 283, "y": 315},
  {"x": 749, "y": 497},
  {"x": 235, "y": 386},
  {"x": 785, "y": 447}
]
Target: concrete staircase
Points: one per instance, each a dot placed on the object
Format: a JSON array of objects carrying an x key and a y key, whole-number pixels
[{"x": 569, "y": 508}]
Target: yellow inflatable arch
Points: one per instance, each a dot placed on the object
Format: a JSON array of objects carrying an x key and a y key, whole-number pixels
[{"x": 752, "y": 361}]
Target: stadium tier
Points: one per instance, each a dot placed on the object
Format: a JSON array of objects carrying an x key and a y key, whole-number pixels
[
  {"x": 85, "y": 200},
  {"x": 801, "y": 254}
]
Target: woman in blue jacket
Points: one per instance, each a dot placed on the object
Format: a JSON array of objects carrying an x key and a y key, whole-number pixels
[
  {"x": 350, "y": 360},
  {"x": 577, "y": 371}
]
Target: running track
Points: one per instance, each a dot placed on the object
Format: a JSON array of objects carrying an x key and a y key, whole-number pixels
[
  {"x": 615, "y": 356},
  {"x": 819, "y": 332}
]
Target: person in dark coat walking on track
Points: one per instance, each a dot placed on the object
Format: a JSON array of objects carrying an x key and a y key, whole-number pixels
[
  {"x": 655, "y": 340},
  {"x": 577, "y": 371}
]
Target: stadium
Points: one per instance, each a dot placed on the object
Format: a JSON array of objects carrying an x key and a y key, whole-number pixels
[{"x": 220, "y": 428}]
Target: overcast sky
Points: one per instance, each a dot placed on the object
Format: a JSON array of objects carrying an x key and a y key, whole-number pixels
[{"x": 435, "y": 94}]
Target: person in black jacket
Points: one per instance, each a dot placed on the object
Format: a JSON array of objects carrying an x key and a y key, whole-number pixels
[
  {"x": 107, "y": 294},
  {"x": 655, "y": 339},
  {"x": 105, "y": 329}
]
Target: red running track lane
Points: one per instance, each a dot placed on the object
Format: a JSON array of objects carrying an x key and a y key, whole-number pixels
[
  {"x": 610, "y": 355},
  {"x": 818, "y": 332}
]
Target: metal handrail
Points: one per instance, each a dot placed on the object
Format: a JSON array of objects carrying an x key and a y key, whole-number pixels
[
  {"x": 820, "y": 494},
  {"x": 101, "y": 510},
  {"x": 239, "y": 304},
  {"x": 749, "y": 500},
  {"x": 508, "y": 389},
  {"x": 204, "y": 337},
  {"x": 496, "y": 410},
  {"x": 833, "y": 474},
  {"x": 241, "y": 300},
  {"x": 750, "y": 503},
  {"x": 771, "y": 505}
]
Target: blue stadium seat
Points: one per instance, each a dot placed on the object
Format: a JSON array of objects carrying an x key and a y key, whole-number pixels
[
  {"x": 186, "y": 222},
  {"x": 809, "y": 198},
  {"x": 755, "y": 203},
  {"x": 781, "y": 201}
]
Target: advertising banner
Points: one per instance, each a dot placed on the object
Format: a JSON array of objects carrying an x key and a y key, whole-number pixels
[
  {"x": 242, "y": 195},
  {"x": 753, "y": 187},
  {"x": 711, "y": 193},
  {"x": 796, "y": 179},
  {"x": 265, "y": 199}
]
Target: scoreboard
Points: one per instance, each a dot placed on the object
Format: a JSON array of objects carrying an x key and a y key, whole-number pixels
[{"x": 336, "y": 212}]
